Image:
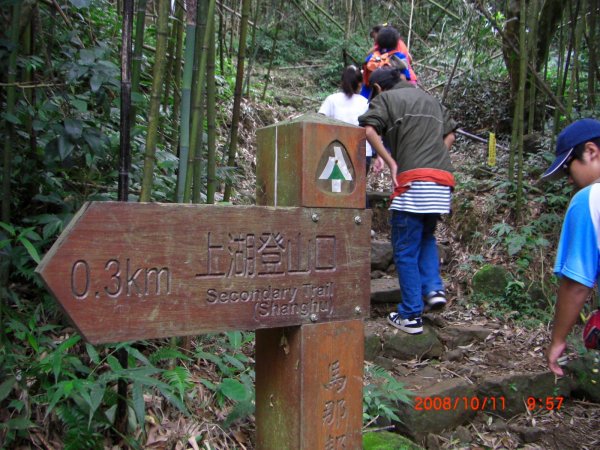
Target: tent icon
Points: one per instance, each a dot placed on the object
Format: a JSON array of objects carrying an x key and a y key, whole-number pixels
[{"x": 336, "y": 170}]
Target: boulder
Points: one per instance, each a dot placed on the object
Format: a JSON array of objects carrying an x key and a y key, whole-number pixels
[
  {"x": 490, "y": 281},
  {"x": 398, "y": 344},
  {"x": 509, "y": 393},
  {"x": 430, "y": 414},
  {"x": 372, "y": 345},
  {"x": 586, "y": 372},
  {"x": 456, "y": 336},
  {"x": 381, "y": 255}
]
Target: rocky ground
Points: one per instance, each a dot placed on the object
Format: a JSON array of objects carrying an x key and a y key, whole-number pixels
[
  {"x": 472, "y": 377},
  {"x": 472, "y": 371}
]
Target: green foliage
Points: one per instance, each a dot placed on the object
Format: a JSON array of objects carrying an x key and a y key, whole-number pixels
[
  {"x": 380, "y": 395},
  {"x": 19, "y": 247},
  {"x": 235, "y": 377},
  {"x": 386, "y": 440},
  {"x": 44, "y": 373}
]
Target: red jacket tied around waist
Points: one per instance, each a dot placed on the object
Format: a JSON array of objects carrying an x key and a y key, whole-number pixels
[{"x": 404, "y": 179}]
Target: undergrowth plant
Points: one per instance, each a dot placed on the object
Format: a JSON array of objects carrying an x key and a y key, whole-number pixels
[
  {"x": 381, "y": 393},
  {"x": 233, "y": 372}
]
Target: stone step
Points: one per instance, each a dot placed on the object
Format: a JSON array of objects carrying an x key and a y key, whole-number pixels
[
  {"x": 446, "y": 397},
  {"x": 385, "y": 290}
]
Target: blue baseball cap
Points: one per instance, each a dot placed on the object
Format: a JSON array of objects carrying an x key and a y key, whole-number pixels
[{"x": 578, "y": 132}]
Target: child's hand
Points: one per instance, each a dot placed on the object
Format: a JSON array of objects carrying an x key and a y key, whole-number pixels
[{"x": 378, "y": 165}]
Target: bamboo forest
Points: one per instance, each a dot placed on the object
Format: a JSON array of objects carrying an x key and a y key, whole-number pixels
[{"x": 142, "y": 131}]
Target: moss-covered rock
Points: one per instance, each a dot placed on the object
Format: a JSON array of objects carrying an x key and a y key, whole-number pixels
[
  {"x": 385, "y": 440},
  {"x": 490, "y": 281},
  {"x": 586, "y": 372},
  {"x": 398, "y": 344}
]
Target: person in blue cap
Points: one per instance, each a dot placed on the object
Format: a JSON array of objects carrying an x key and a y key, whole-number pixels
[{"x": 578, "y": 256}]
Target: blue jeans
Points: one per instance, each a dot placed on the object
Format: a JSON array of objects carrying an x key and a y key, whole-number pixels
[{"x": 416, "y": 259}]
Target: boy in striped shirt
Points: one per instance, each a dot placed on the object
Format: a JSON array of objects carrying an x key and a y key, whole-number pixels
[{"x": 419, "y": 132}]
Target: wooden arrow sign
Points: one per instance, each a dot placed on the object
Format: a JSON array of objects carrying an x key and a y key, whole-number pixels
[{"x": 130, "y": 271}]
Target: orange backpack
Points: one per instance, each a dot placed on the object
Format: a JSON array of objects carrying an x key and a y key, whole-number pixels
[{"x": 378, "y": 60}]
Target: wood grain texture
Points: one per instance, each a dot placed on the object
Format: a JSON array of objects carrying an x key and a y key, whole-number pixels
[
  {"x": 291, "y": 158},
  {"x": 309, "y": 386},
  {"x": 130, "y": 271}
]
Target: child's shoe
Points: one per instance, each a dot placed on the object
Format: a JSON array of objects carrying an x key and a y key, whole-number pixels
[
  {"x": 435, "y": 300},
  {"x": 410, "y": 326}
]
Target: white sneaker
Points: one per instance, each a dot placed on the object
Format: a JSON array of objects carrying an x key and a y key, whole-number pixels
[{"x": 410, "y": 326}]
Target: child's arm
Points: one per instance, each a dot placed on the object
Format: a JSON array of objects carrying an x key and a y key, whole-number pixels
[
  {"x": 571, "y": 298},
  {"x": 375, "y": 141}
]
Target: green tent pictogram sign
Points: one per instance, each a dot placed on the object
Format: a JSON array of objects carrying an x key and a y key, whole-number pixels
[{"x": 336, "y": 170}]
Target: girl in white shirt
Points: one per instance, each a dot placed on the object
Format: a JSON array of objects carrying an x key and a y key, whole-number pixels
[{"x": 348, "y": 104}]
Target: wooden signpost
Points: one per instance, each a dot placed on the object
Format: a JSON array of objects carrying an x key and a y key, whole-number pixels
[{"x": 296, "y": 269}]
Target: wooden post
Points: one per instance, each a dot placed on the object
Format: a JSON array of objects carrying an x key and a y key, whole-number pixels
[
  {"x": 298, "y": 271},
  {"x": 309, "y": 377}
]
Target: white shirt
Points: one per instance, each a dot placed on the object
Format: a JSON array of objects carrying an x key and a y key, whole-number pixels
[{"x": 339, "y": 106}]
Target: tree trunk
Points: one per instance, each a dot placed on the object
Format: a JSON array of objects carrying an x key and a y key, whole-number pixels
[
  {"x": 237, "y": 97},
  {"x": 162, "y": 34}
]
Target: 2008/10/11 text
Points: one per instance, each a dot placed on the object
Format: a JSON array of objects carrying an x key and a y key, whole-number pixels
[{"x": 460, "y": 403}]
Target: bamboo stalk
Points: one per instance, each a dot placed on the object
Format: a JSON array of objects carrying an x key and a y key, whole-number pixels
[
  {"x": 309, "y": 20},
  {"x": 136, "y": 58},
  {"x": 123, "y": 181},
  {"x": 446, "y": 10},
  {"x": 221, "y": 44},
  {"x": 11, "y": 99},
  {"x": 29, "y": 95},
  {"x": 519, "y": 118},
  {"x": 157, "y": 86},
  {"x": 237, "y": 97},
  {"x": 327, "y": 15},
  {"x": 253, "y": 45},
  {"x": 186, "y": 100},
  {"x": 170, "y": 63},
  {"x": 540, "y": 82},
  {"x": 195, "y": 156},
  {"x": 532, "y": 25},
  {"x": 177, "y": 73},
  {"x": 126, "y": 89},
  {"x": 271, "y": 59},
  {"x": 211, "y": 119},
  {"x": 592, "y": 51}
]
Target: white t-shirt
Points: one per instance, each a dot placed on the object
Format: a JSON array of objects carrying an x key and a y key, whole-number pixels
[{"x": 339, "y": 106}]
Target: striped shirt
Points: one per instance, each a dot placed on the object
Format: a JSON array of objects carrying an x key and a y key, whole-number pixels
[{"x": 424, "y": 197}]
